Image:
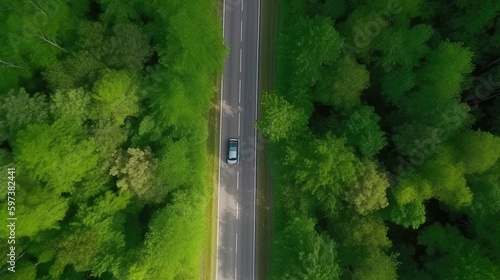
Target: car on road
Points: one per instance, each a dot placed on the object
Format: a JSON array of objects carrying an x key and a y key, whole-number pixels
[{"x": 232, "y": 151}]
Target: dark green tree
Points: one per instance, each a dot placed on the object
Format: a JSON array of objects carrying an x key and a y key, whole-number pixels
[
  {"x": 323, "y": 167},
  {"x": 363, "y": 131},
  {"x": 303, "y": 253},
  {"x": 19, "y": 109}
]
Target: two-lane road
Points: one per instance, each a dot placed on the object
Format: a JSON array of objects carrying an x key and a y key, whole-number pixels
[{"x": 237, "y": 183}]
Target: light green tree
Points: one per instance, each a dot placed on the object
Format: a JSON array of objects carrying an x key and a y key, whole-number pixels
[
  {"x": 56, "y": 154},
  {"x": 280, "y": 120},
  {"x": 42, "y": 208},
  {"x": 173, "y": 241},
  {"x": 116, "y": 96},
  {"x": 477, "y": 150}
]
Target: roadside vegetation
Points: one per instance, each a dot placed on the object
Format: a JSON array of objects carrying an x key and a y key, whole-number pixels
[
  {"x": 385, "y": 140},
  {"x": 103, "y": 112}
]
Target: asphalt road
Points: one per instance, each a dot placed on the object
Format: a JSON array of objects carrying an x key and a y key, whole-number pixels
[{"x": 237, "y": 183}]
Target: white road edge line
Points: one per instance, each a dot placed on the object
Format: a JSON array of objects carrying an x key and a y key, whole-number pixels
[
  {"x": 220, "y": 147},
  {"x": 255, "y": 129},
  {"x": 241, "y": 57}
]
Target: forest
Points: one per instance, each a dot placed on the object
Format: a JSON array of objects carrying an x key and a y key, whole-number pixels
[
  {"x": 103, "y": 115},
  {"x": 384, "y": 129}
]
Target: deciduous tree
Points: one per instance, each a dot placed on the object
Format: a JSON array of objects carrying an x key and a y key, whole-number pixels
[
  {"x": 19, "y": 109},
  {"x": 341, "y": 85},
  {"x": 363, "y": 131},
  {"x": 303, "y": 253},
  {"x": 116, "y": 96},
  {"x": 280, "y": 120},
  {"x": 368, "y": 193},
  {"x": 323, "y": 167},
  {"x": 134, "y": 171},
  {"x": 56, "y": 154}
]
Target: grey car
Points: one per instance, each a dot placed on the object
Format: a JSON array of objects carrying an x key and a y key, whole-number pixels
[{"x": 232, "y": 151}]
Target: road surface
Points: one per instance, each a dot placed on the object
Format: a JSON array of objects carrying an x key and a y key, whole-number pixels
[{"x": 237, "y": 189}]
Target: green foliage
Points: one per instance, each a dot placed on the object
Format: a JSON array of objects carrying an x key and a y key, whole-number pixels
[
  {"x": 134, "y": 171},
  {"x": 445, "y": 247},
  {"x": 420, "y": 139},
  {"x": 38, "y": 32},
  {"x": 341, "y": 85},
  {"x": 303, "y": 253},
  {"x": 362, "y": 245},
  {"x": 281, "y": 120},
  {"x": 416, "y": 70},
  {"x": 355, "y": 233},
  {"x": 17, "y": 110},
  {"x": 96, "y": 239},
  {"x": 323, "y": 167},
  {"x": 377, "y": 266},
  {"x": 72, "y": 104},
  {"x": 447, "y": 181},
  {"x": 177, "y": 173},
  {"x": 439, "y": 177},
  {"x": 411, "y": 214},
  {"x": 41, "y": 212},
  {"x": 56, "y": 154},
  {"x": 477, "y": 150},
  {"x": 23, "y": 270},
  {"x": 486, "y": 192},
  {"x": 310, "y": 44},
  {"x": 108, "y": 137},
  {"x": 81, "y": 145},
  {"x": 363, "y": 131},
  {"x": 116, "y": 96},
  {"x": 447, "y": 67},
  {"x": 397, "y": 83},
  {"x": 368, "y": 193},
  {"x": 126, "y": 49},
  {"x": 402, "y": 47},
  {"x": 177, "y": 256},
  {"x": 117, "y": 11}
]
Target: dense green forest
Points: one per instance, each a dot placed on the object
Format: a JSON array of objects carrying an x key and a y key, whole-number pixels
[
  {"x": 385, "y": 140},
  {"x": 103, "y": 113}
]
